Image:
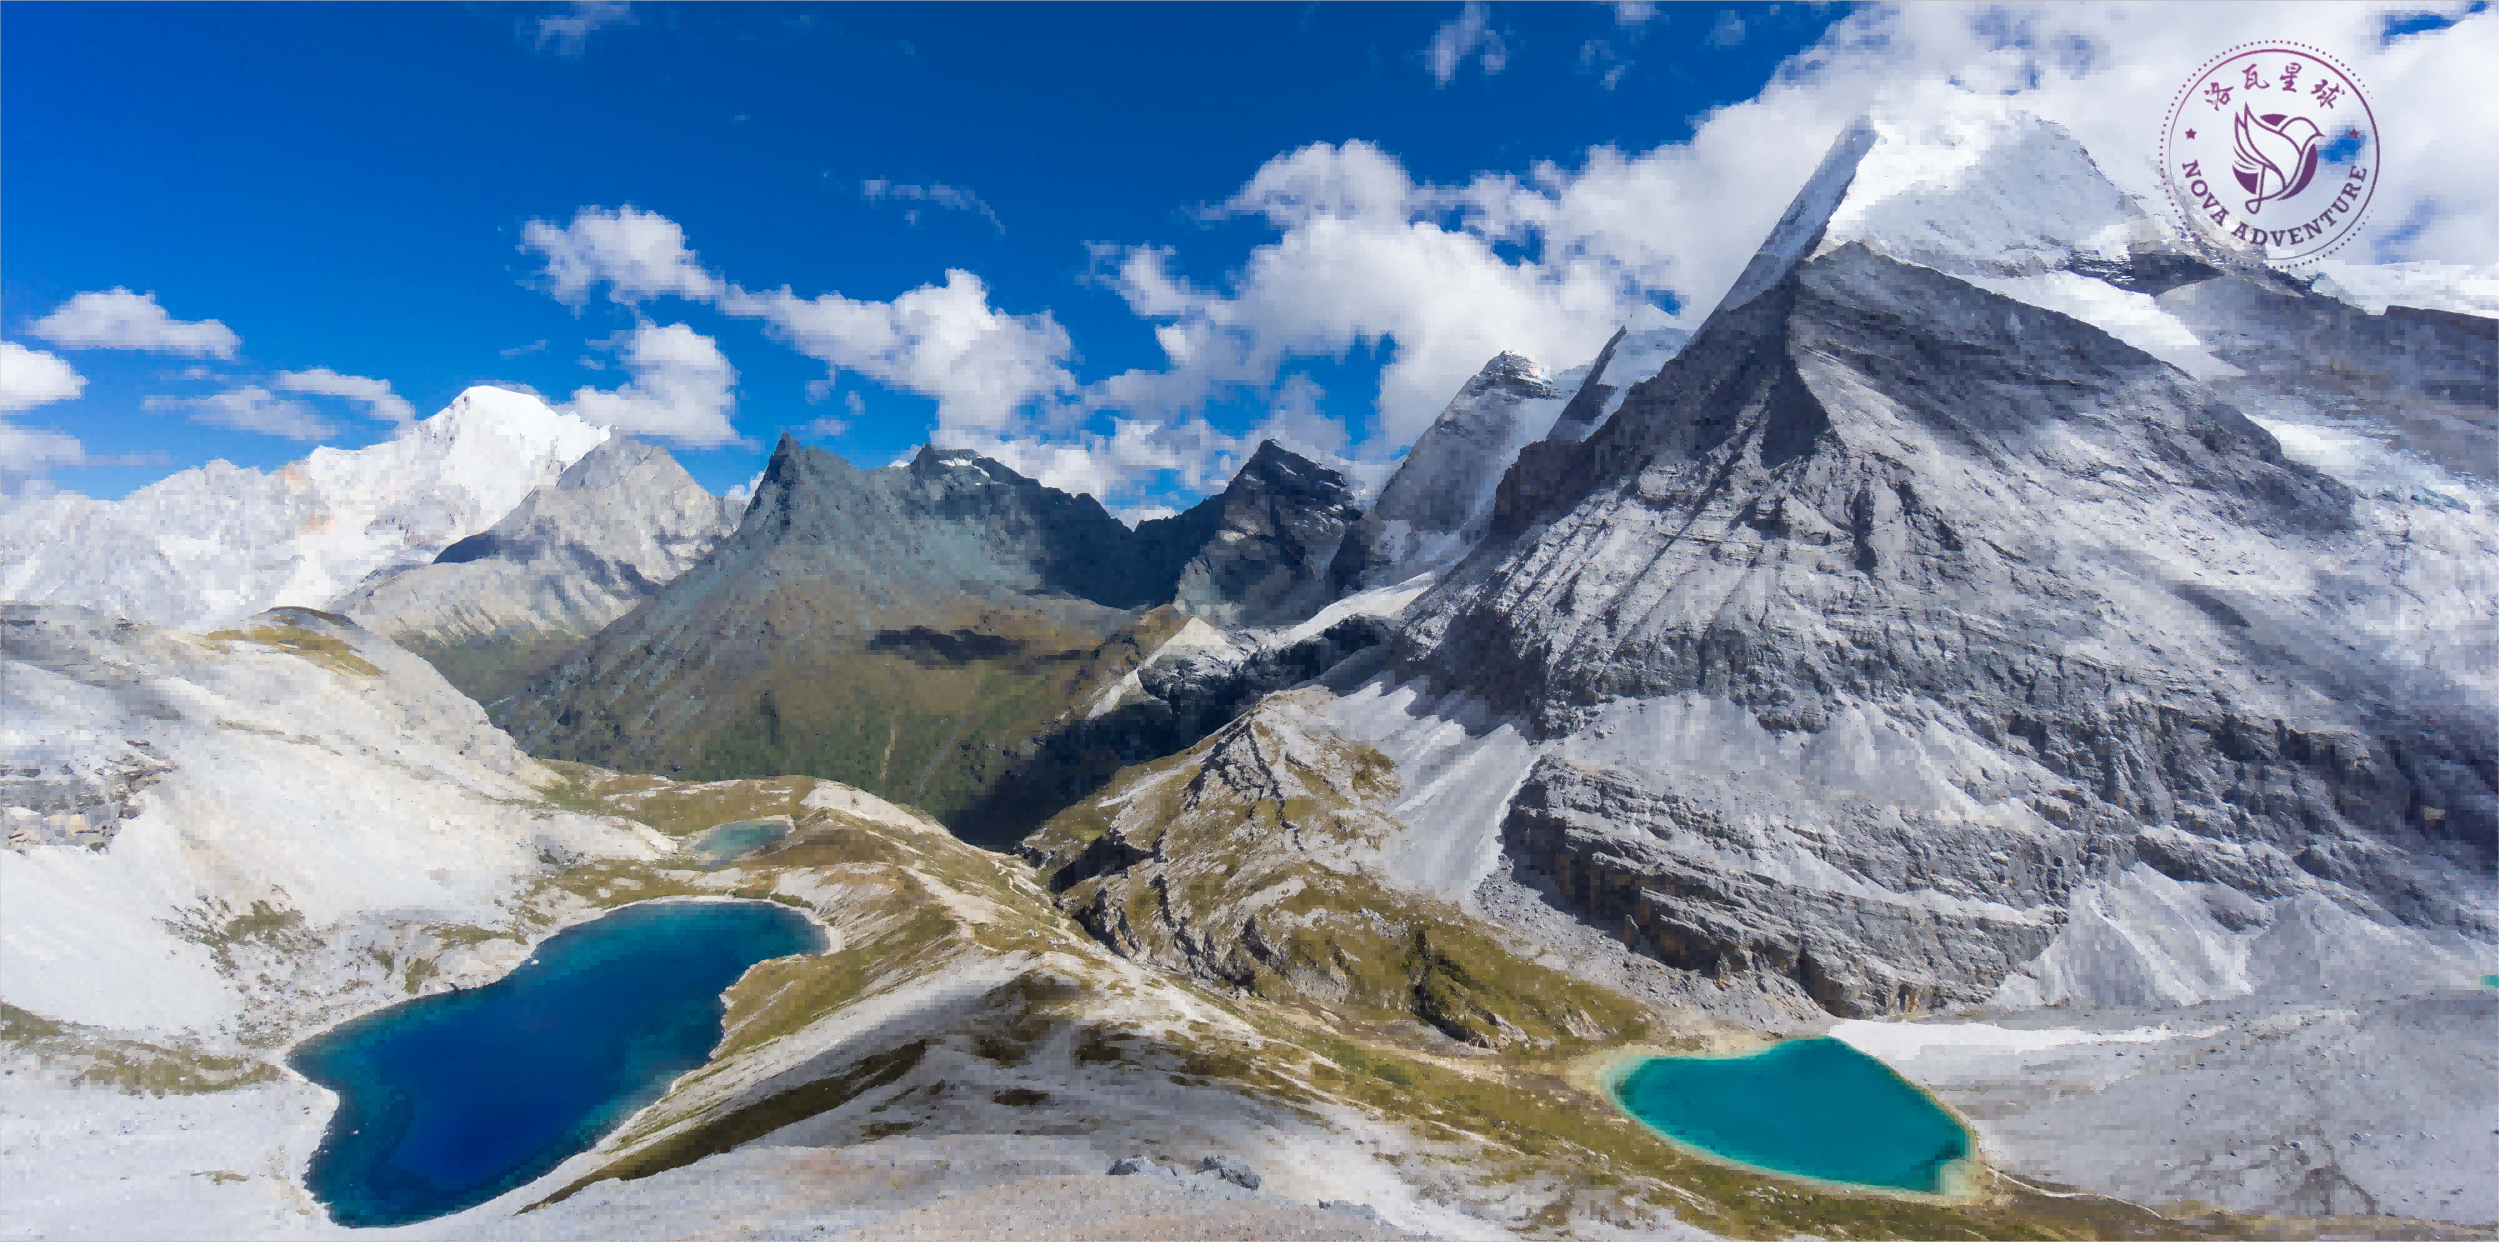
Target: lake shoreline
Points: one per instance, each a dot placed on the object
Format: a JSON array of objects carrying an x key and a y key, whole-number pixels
[{"x": 1602, "y": 1074}]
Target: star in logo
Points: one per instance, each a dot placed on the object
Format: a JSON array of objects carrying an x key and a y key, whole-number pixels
[{"x": 2190, "y": 133}]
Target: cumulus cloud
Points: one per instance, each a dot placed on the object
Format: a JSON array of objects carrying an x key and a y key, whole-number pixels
[
  {"x": 1633, "y": 12},
  {"x": 116, "y": 318},
  {"x": 30, "y": 453},
  {"x": 950, "y": 197},
  {"x": 1366, "y": 256},
  {"x": 1363, "y": 261},
  {"x": 637, "y": 254},
  {"x": 1469, "y": 34},
  {"x": 251, "y": 408},
  {"x": 680, "y": 391},
  {"x": 981, "y": 364},
  {"x": 376, "y": 396},
  {"x": 31, "y": 377},
  {"x": 569, "y": 32}
]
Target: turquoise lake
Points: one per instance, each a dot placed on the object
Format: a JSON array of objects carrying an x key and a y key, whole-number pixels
[
  {"x": 730, "y": 842},
  {"x": 1811, "y": 1107},
  {"x": 449, "y": 1100}
]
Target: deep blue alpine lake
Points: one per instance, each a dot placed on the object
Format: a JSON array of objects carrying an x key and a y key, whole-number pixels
[
  {"x": 1811, "y": 1107},
  {"x": 449, "y": 1100}
]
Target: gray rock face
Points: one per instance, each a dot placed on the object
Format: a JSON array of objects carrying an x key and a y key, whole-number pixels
[
  {"x": 1435, "y": 506},
  {"x": 574, "y": 555},
  {"x": 2011, "y": 606},
  {"x": 1278, "y": 525}
]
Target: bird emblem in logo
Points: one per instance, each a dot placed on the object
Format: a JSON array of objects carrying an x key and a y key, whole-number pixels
[{"x": 2276, "y": 155}]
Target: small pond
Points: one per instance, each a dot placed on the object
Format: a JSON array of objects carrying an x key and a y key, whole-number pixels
[
  {"x": 1809, "y": 1107},
  {"x": 726, "y": 843},
  {"x": 449, "y": 1100}
]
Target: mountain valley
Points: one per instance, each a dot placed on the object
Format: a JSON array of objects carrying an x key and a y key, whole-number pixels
[{"x": 2044, "y": 652}]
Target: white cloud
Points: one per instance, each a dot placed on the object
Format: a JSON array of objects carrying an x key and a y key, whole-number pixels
[
  {"x": 1363, "y": 261},
  {"x": 251, "y": 408},
  {"x": 950, "y": 197},
  {"x": 680, "y": 391},
  {"x": 31, "y": 377},
  {"x": 1633, "y": 12},
  {"x": 1470, "y": 33},
  {"x": 29, "y": 453},
  {"x": 981, "y": 364},
  {"x": 1366, "y": 256},
  {"x": 569, "y": 32},
  {"x": 637, "y": 254},
  {"x": 119, "y": 319},
  {"x": 378, "y": 399}
]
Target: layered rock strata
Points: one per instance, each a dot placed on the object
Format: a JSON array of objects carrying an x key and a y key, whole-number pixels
[{"x": 2051, "y": 605}]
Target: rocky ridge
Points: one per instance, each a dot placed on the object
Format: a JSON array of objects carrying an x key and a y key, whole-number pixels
[
  {"x": 1812, "y": 547},
  {"x": 912, "y": 629},
  {"x": 499, "y": 606}
]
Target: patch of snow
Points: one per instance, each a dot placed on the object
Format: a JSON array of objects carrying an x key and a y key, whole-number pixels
[
  {"x": 2466, "y": 289},
  {"x": 2131, "y": 317},
  {"x": 1895, "y": 1042}
]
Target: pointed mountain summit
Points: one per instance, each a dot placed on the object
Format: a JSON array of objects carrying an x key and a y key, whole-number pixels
[
  {"x": 1432, "y": 510},
  {"x": 906, "y": 629},
  {"x": 1274, "y": 529},
  {"x": 217, "y": 543},
  {"x": 1915, "y": 642},
  {"x": 502, "y": 605}
]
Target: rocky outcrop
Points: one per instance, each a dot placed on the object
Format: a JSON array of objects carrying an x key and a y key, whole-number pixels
[
  {"x": 503, "y": 605},
  {"x": 2062, "y": 597},
  {"x": 1266, "y": 561}
]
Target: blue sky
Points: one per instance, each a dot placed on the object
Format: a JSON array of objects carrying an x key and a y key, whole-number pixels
[{"x": 1332, "y": 213}]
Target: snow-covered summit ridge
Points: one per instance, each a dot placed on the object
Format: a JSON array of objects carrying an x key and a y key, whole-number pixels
[
  {"x": 1963, "y": 184},
  {"x": 219, "y": 542}
]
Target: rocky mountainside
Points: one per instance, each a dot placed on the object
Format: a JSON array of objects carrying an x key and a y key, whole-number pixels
[
  {"x": 909, "y": 629},
  {"x": 215, "y": 544},
  {"x": 1902, "y": 635},
  {"x": 222, "y": 842},
  {"x": 1275, "y": 527},
  {"x": 296, "y": 823},
  {"x": 1438, "y": 504},
  {"x": 502, "y": 605}
]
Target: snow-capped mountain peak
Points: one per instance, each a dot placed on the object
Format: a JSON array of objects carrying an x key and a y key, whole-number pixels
[
  {"x": 1963, "y": 184},
  {"x": 218, "y": 542}
]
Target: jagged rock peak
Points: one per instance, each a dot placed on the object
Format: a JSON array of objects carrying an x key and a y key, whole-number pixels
[
  {"x": 1275, "y": 529},
  {"x": 1511, "y": 373},
  {"x": 1970, "y": 186}
]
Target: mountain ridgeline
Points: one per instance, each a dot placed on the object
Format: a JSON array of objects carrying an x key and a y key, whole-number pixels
[{"x": 911, "y": 630}]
